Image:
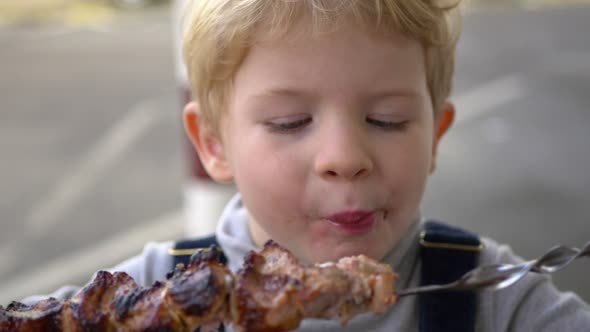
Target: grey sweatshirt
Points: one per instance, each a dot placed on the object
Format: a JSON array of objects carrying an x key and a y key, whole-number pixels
[{"x": 532, "y": 304}]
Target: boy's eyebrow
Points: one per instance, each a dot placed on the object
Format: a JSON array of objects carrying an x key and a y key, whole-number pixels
[
  {"x": 394, "y": 93},
  {"x": 310, "y": 94},
  {"x": 284, "y": 92}
]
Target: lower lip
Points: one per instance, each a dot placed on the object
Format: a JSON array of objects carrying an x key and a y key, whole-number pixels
[{"x": 360, "y": 226}]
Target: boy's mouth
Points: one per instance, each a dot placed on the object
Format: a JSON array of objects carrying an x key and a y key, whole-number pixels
[{"x": 353, "y": 222}]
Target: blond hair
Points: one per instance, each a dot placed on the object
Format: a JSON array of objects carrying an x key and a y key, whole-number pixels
[{"x": 219, "y": 33}]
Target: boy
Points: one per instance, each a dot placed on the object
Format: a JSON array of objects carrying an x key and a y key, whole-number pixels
[{"x": 327, "y": 116}]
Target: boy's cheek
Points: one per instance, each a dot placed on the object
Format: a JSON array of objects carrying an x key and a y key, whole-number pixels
[
  {"x": 270, "y": 171},
  {"x": 274, "y": 190}
]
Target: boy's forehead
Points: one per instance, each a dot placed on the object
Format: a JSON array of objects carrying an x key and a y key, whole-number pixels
[
  {"x": 306, "y": 28},
  {"x": 356, "y": 43},
  {"x": 348, "y": 60}
]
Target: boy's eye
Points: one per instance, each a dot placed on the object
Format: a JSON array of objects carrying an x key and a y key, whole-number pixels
[
  {"x": 288, "y": 125},
  {"x": 387, "y": 124}
]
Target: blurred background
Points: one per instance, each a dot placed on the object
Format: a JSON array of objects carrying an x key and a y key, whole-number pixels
[{"x": 94, "y": 162}]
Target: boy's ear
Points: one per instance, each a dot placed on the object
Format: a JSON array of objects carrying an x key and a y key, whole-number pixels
[
  {"x": 442, "y": 122},
  {"x": 207, "y": 143}
]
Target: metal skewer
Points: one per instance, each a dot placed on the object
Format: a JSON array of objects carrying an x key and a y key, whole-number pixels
[{"x": 498, "y": 276}]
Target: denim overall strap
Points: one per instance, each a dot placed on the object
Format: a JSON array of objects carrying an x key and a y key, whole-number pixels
[
  {"x": 182, "y": 251},
  {"x": 447, "y": 253}
]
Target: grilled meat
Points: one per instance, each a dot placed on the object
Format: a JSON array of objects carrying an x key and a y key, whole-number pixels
[
  {"x": 192, "y": 296},
  {"x": 271, "y": 292}
]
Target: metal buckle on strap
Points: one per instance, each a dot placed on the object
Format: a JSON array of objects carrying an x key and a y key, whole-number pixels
[
  {"x": 185, "y": 252},
  {"x": 450, "y": 246}
]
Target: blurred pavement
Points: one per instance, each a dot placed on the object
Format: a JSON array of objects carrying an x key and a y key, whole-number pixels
[{"x": 92, "y": 152}]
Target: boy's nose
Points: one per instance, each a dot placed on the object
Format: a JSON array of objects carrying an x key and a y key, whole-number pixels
[{"x": 343, "y": 159}]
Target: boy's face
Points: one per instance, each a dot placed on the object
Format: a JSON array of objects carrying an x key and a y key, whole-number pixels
[{"x": 329, "y": 140}]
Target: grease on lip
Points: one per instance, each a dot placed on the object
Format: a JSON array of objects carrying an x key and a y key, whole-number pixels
[
  {"x": 354, "y": 223},
  {"x": 351, "y": 217}
]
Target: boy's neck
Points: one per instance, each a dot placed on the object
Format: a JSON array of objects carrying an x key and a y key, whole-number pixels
[{"x": 258, "y": 235}]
